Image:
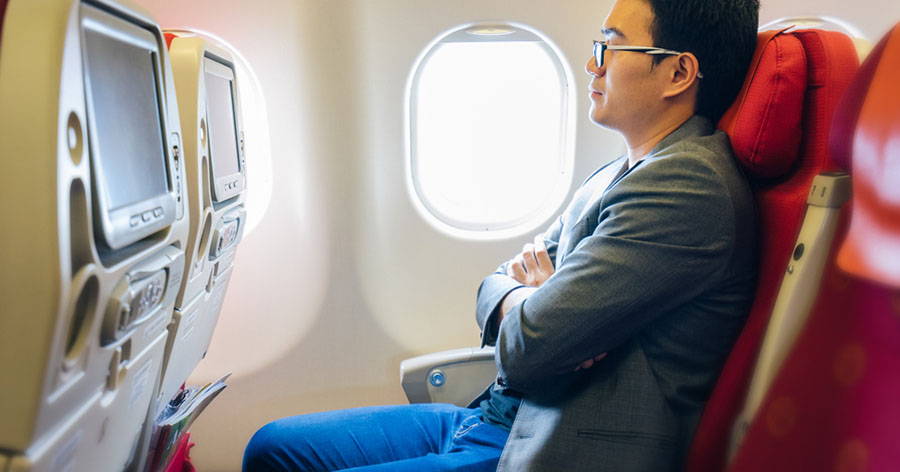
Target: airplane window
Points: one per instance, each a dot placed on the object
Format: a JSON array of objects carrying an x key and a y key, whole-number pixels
[{"x": 491, "y": 131}]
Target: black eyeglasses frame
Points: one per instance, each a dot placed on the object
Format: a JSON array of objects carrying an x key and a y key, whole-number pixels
[{"x": 600, "y": 48}]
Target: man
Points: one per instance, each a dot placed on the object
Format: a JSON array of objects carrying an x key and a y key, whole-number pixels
[{"x": 612, "y": 327}]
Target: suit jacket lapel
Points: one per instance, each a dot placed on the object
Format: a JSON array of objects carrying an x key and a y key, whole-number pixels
[{"x": 575, "y": 228}]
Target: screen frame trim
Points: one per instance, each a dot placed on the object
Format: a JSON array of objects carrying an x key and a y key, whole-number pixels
[
  {"x": 231, "y": 185},
  {"x": 116, "y": 224}
]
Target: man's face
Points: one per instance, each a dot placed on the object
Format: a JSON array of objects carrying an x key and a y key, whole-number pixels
[{"x": 625, "y": 92}]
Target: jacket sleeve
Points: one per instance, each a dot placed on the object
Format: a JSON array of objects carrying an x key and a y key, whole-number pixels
[
  {"x": 496, "y": 286},
  {"x": 665, "y": 235}
]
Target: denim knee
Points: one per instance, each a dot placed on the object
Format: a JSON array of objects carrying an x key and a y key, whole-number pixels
[{"x": 262, "y": 448}]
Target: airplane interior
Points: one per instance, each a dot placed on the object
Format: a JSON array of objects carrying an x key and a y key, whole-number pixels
[{"x": 221, "y": 213}]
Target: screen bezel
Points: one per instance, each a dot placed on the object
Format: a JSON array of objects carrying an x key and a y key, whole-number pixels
[
  {"x": 115, "y": 224},
  {"x": 227, "y": 186}
]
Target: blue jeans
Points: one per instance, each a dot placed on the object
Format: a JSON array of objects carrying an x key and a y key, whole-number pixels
[{"x": 419, "y": 438}]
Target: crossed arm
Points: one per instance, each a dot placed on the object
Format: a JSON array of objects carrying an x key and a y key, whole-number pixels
[
  {"x": 532, "y": 267},
  {"x": 662, "y": 239}
]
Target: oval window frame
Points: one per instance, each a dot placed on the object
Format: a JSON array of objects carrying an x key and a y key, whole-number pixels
[{"x": 492, "y": 31}]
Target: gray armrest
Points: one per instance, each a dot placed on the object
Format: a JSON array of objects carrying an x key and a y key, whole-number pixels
[{"x": 456, "y": 376}]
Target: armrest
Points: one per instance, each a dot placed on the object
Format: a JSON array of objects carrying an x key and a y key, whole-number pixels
[{"x": 456, "y": 376}]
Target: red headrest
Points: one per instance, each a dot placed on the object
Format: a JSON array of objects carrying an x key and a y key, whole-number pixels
[
  {"x": 872, "y": 138},
  {"x": 764, "y": 121}
]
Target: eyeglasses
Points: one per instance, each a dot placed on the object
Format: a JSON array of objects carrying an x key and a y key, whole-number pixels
[{"x": 600, "y": 48}]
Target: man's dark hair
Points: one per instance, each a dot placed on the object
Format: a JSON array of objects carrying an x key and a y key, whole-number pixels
[{"x": 721, "y": 33}]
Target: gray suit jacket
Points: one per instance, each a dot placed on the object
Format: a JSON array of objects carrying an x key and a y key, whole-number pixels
[{"x": 656, "y": 267}]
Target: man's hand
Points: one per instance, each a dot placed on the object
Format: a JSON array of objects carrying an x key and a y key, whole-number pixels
[
  {"x": 533, "y": 266},
  {"x": 590, "y": 362}
]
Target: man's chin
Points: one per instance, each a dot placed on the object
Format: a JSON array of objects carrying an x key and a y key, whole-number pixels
[{"x": 600, "y": 120}]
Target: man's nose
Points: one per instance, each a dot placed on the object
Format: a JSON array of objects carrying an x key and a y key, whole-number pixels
[{"x": 592, "y": 69}]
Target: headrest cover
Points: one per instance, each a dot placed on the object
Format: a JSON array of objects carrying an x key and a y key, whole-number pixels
[
  {"x": 764, "y": 121},
  {"x": 872, "y": 247}
]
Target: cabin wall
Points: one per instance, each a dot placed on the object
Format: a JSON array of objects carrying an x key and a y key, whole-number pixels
[
  {"x": 873, "y": 17},
  {"x": 342, "y": 279}
]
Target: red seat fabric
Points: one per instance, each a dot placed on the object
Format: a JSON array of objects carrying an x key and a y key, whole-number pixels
[
  {"x": 830, "y": 60},
  {"x": 834, "y": 404}
]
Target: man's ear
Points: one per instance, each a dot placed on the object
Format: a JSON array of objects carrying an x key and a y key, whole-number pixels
[{"x": 682, "y": 75}]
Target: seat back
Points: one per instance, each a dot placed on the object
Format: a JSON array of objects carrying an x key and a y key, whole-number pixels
[
  {"x": 833, "y": 405},
  {"x": 212, "y": 140},
  {"x": 92, "y": 247},
  {"x": 208, "y": 101},
  {"x": 779, "y": 128}
]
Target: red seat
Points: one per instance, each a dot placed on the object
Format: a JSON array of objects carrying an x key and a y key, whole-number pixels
[
  {"x": 834, "y": 404},
  {"x": 779, "y": 129}
]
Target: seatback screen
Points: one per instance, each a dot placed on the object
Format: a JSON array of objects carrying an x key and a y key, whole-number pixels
[
  {"x": 223, "y": 143},
  {"x": 128, "y": 131}
]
